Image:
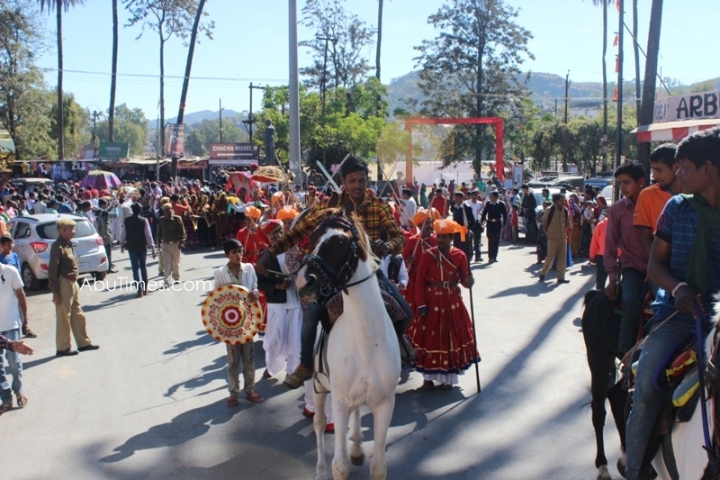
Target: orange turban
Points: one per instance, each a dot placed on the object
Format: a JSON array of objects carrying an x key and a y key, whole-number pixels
[
  {"x": 422, "y": 214},
  {"x": 286, "y": 213},
  {"x": 449, "y": 227},
  {"x": 253, "y": 212},
  {"x": 276, "y": 197}
]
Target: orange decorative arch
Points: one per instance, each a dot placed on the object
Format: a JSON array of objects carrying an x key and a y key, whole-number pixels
[{"x": 496, "y": 121}]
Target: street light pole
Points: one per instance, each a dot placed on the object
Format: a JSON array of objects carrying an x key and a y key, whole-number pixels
[
  {"x": 220, "y": 114},
  {"x": 294, "y": 147}
]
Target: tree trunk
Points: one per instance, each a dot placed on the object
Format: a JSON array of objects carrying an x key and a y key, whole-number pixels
[
  {"x": 61, "y": 113},
  {"x": 605, "y": 99},
  {"x": 648, "y": 95},
  {"x": 186, "y": 80},
  {"x": 379, "y": 39},
  {"x": 162, "y": 95},
  {"x": 113, "y": 80},
  {"x": 636, "y": 49}
]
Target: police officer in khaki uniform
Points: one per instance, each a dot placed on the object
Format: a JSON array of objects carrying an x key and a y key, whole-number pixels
[
  {"x": 62, "y": 280},
  {"x": 171, "y": 236}
]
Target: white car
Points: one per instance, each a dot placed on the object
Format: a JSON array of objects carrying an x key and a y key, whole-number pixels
[{"x": 33, "y": 236}]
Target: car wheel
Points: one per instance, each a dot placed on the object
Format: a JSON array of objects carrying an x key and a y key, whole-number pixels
[
  {"x": 29, "y": 279},
  {"x": 99, "y": 276}
]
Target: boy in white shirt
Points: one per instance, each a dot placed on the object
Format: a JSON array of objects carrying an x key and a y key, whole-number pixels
[{"x": 243, "y": 274}]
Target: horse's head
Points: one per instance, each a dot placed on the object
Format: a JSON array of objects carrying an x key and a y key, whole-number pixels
[{"x": 338, "y": 245}]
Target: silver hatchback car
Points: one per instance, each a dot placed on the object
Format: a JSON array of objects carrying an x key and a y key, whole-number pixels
[{"x": 33, "y": 236}]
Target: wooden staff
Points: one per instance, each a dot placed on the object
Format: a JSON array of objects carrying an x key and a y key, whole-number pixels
[{"x": 472, "y": 314}]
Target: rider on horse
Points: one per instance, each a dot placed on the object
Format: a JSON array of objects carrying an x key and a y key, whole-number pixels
[
  {"x": 374, "y": 215},
  {"x": 685, "y": 263}
]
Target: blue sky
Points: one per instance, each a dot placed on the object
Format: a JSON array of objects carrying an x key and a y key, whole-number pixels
[{"x": 251, "y": 45}]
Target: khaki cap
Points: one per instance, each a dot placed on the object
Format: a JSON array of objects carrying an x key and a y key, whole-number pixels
[{"x": 65, "y": 222}]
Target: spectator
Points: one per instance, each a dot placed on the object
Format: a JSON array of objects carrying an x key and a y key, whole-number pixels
[{"x": 12, "y": 298}]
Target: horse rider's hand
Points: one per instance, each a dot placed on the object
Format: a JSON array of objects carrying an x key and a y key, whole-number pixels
[
  {"x": 611, "y": 291},
  {"x": 470, "y": 281},
  {"x": 423, "y": 311},
  {"x": 381, "y": 248},
  {"x": 254, "y": 296},
  {"x": 686, "y": 299}
]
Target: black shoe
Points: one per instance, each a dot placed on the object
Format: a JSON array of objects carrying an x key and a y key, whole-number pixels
[
  {"x": 66, "y": 353},
  {"x": 112, "y": 270},
  {"x": 88, "y": 348},
  {"x": 542, "y": 278},
  {"x": 563, "y": 281}
]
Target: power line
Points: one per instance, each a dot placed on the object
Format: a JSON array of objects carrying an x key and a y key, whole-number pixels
[{"x": 181, "y": 77}]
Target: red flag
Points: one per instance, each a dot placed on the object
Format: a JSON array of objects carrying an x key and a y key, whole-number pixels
[
  {"x": 615, "y": 95},
  {"x": 616, "y": 41},
  {"x": 617, "y": 64}
]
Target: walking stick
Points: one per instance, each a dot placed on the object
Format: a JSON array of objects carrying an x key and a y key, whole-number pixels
[{"x": 472, "y": 314}]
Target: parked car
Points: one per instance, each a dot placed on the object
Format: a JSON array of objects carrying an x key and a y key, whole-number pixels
[
  {"x": 33, "y": 236},
  {"x": 601, "y": 182}
]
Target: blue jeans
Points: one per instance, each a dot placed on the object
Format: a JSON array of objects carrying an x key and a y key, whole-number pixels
[
  {"x": 14, "y": 368},
  {"x": 138, "y": 260},
  {"x": 311, "y": 317},
  {"x": 634, "y": 288},
  {"x": 647, "y": 400}
]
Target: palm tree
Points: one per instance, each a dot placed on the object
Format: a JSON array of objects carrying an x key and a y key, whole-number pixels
[
  {"x": 186, "y": 81},
  {"x": 59, "y": 6},
  {"x": 113, "y": 80},
  {"x": 379, "y": 39},
  {"x": 604, "y": 4},
  {"x": 651, "y": 65},
  {"x": 636, "y": 51}
]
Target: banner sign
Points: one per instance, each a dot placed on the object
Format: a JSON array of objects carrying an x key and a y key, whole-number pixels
[
  {"x": 234, "y": 151},
  {"x": 175, "y": 140},
  {"x": 113, "y": 150},
  {"x": 687, "y": 107}
]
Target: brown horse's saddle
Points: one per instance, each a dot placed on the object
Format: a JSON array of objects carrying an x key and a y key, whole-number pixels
[{"x": 335, "y": 307}]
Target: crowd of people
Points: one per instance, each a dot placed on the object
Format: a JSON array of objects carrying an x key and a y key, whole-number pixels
[{"x": 651, "y": 240}]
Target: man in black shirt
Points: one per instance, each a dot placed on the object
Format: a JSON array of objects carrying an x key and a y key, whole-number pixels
[
  {"x": 529, "y": 204},
  {"x": 463, "y": 215},
  {"x": 494, "y": 217}
]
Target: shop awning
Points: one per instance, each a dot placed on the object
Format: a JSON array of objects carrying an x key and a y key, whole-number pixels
[{"x": 673, "y": 131}]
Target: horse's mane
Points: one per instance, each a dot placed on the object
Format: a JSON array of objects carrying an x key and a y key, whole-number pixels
[{"x": 366, "y": 253}]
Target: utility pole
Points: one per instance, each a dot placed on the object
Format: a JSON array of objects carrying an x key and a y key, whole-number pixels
[
  {"x": 220, "y": 114},
  {"x": 251, "y": 119},
  {"x": 567, "y": 89},
  {"x": 618, "y": 146},
  {"x": 294, "y": 92}
]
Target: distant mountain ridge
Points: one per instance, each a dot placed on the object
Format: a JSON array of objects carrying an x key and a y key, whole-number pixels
[{"x": 199, "y": 117}]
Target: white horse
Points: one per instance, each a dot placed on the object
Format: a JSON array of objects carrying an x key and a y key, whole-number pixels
[
  {"x": 688, "y": 437},
  {"x": 363, "y": 357}
]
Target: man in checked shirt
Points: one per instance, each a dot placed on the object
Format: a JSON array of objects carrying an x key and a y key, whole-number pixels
[
  {"x": 633, "y": 259},
  {"x": 374, "y": 216}
]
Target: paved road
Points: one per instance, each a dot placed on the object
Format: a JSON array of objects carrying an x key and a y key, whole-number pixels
[{"x": 150, "y": 404}]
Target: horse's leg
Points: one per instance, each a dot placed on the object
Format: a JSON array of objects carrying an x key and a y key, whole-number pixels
[
  {"x": 357, "y": 457},
  {"x": 619, "y": 403},
  {"x": 382, "y": 415},
  {"x": 319, "y": 422},
  {"x": 602, "y": 374},
  {"x": 341, "y": 414}
]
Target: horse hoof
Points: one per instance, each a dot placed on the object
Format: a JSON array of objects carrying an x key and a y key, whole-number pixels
[
  {"x": 622, "y": 465},
  {"x": 604, "y": 473},
  {"x": 357, "y": 461}
]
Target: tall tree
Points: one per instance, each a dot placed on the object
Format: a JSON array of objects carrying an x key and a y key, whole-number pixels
[
  {"x": 21, "y": 41},
  {"x": 167, "y": 18},
  {"x": 113, "y": 80},
  {"x": 472, "y": 69},
  {"x": 379, "y": 39},
  {"x": 636, "y": 51},
  {"x": 130, "y": 126},
  {"x": 344, "y": 35},
  {"x": 604, "y": 4},
  {"x": 188, "y": 68},
  {"x": 651, "y": 66},
  {"x": 60, "y": 5}
]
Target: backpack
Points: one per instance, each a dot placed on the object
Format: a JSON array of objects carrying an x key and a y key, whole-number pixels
[{"x": 552, "y": 212}]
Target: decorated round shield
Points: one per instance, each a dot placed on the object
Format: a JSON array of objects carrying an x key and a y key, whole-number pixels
[{"x": 230, "y": 316}]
